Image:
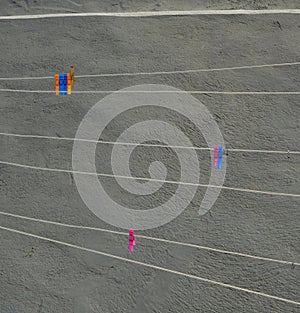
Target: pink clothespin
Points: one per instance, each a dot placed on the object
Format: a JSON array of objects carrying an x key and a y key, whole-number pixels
[
  {"x": 216, "y": 152},
  {"x": 131, "y": 240}
]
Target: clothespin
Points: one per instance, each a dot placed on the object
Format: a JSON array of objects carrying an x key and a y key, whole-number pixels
[
  {"x": 220, "y": 157},
  {"x": 69, "y": 84},
  {"x": 56, "y": 84}
]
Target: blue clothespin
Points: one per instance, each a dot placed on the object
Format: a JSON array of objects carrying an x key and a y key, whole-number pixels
[
  {"x": 63, "y": 84},
  {"x": 220, "y": 156}
]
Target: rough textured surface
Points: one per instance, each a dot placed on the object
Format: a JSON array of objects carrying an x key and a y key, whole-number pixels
[{"x": 43, "y": 277}]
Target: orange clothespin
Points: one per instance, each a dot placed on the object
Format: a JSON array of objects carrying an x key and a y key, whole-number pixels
[
  {"x": 69, "y": 84},
  {"x": 57, "y": 84}
]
